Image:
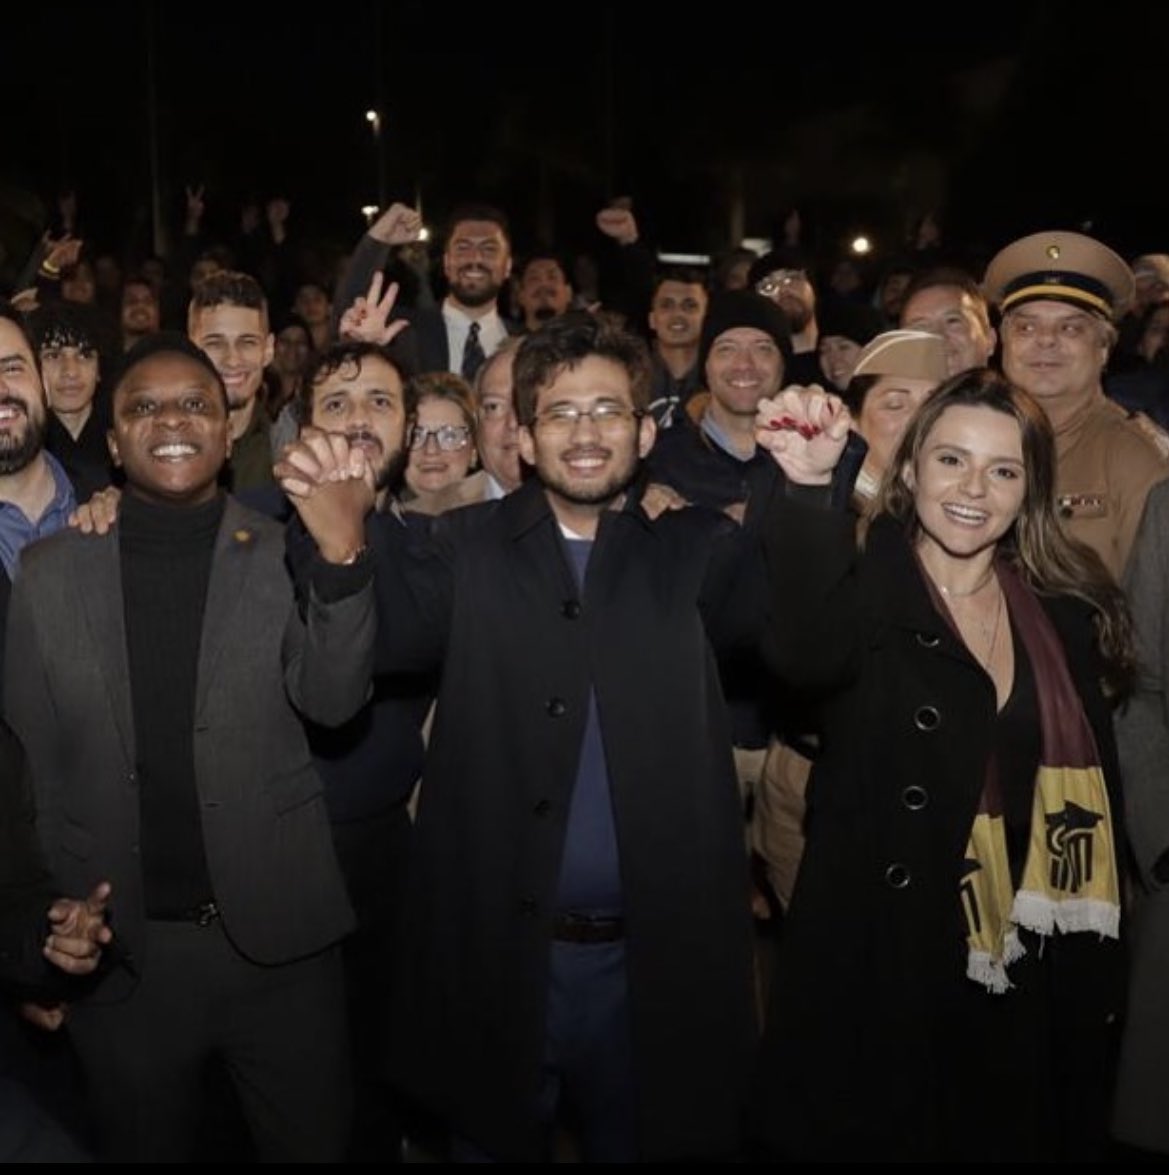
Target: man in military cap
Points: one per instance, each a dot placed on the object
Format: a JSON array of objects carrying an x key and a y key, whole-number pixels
[{"x": 1060, "y": 294}]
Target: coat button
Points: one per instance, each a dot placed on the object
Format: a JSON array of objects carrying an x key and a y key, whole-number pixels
[
  {"x": 541, "y": 808},
  {"x": 556, "y": 708},
  {"x": 897, "y": 876},
  {"x": 927, "y": 718},
  {"x": 915, "y": 798},
  {"x": 928, "y": 640},
  {"x": 570, "y": 609},
  {"x": 529, "y": 907}
]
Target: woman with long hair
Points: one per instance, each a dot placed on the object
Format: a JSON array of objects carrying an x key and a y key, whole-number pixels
[{"x": 949, "y": 978}]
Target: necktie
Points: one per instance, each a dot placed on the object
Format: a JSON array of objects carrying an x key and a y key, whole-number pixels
[{"x": 472, "y": 353}]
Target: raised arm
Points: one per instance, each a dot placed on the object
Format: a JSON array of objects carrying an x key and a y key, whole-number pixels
[{"x": 809, "y": 547}]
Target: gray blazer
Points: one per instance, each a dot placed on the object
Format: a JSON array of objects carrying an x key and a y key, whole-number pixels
[
  {"x": 1142, "y": 730},
  {"x": 265, "y": 829}
]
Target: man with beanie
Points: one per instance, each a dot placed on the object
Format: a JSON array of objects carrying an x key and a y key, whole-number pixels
[
  {"x": 742, "y": 356},
  {"x": 712, "y": 460},
  {"x": 151, "y": 675}
]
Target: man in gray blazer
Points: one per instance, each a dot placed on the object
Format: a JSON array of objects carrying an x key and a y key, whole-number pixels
[{"x": 149, "y": 675}]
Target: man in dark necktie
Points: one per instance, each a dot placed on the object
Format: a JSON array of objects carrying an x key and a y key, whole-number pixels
[{"x": 472, "y": 353}]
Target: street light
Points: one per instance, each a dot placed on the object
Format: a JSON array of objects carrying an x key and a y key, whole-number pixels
[{"x": 374, "y": 118}]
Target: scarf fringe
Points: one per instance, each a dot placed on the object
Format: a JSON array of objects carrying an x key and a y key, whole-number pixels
[
  {"x": 1039, "y": 913},
  {"x": 990, "y": 972}
]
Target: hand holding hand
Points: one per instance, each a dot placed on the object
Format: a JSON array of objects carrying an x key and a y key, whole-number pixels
[{"x": 331, "y": 485}]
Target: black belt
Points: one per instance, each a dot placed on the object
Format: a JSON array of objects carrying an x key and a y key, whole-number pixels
[
  {"x": 201, "y": 915},
  {"x": 583, "y": 929}
]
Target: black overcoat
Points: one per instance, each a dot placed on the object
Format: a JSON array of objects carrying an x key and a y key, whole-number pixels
[
  {"x": 491, "y": 597},
  {"x": 858, "y": 1056}
]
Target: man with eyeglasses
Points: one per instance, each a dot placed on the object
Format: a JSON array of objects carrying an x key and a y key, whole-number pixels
[
  {"x": 782, "y": 277},
  {"x": 577, "y": 931},
  {"x": 1060, "y": 294}
]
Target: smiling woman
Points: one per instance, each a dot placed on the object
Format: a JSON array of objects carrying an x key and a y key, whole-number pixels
[
  {"x": 950, "y": 973},
  {"x": 442, "y": 441}
]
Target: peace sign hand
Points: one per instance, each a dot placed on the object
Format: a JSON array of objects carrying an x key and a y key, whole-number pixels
[{"x": 367, "y": 320}]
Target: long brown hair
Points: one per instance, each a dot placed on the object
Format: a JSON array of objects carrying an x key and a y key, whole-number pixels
[{"x": 1048, "y": 558}]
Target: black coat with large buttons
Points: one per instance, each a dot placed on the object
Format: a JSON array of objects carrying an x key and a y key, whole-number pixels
[
  {"x": 492, "y": 599},
  {"x": 862, "y": 1007}
]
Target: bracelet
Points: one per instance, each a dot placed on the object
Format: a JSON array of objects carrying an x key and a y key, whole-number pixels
[{"x": 49, "y": 269}]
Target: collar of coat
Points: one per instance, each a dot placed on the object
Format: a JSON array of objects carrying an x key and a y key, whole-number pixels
[{"x": 528, "y": 507}]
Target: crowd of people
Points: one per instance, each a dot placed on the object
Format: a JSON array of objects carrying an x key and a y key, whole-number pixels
[{"x": 624, "y": 712}]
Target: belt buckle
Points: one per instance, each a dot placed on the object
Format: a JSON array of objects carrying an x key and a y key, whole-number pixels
[{"x": 205, "y": 913}]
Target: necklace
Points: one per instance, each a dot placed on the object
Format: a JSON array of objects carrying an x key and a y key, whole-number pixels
[
  {"x": 994, "y": 633},
  {"x": 953, "y": 595}
]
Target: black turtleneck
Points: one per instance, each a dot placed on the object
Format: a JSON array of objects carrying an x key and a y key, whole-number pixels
[{"x": 166, "y": 554}]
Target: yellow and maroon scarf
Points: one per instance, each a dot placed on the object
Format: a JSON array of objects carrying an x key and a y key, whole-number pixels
[{"x": 1070, "y": 880}]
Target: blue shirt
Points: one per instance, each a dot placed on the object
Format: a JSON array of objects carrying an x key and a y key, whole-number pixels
[
  {"x": 17, "y": 531},
  {"x": 590, "y": 870}
]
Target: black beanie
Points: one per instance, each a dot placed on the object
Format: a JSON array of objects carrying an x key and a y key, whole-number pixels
[
  {"x": 166, "y": 342},
  {"x": 733, "y": 308}
]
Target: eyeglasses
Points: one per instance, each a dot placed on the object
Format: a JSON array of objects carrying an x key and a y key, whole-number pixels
[
  {"x": 774, "y": 282},
  {"x": 563, "y": 418},
  {"x": 448, "y": 437}
]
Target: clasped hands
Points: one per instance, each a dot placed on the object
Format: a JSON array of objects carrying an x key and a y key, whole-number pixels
[{"x": 331, "y": 485}]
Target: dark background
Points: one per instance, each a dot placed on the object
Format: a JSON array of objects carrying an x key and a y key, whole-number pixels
[{"x": 714, "y": 118}]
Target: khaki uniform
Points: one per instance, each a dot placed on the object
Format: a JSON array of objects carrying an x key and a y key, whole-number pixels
[{"x": 1106, "y": 462}]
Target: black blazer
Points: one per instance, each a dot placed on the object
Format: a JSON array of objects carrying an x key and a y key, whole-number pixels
[{"x": 264, "y": 824}]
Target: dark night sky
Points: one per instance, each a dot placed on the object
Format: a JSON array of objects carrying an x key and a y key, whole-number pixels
[{"x": 1008, "y": 117}]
